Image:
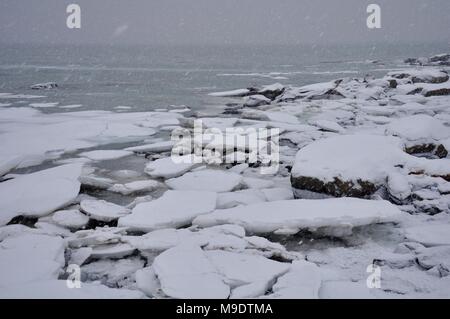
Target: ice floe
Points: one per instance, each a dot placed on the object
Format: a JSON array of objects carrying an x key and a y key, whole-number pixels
[
  {"x": 102, "y": 210},
  {"x": 206, "y": 180},
  {"x": 38, "y": 194},
  {"x": 173, "y": 209},
  {"x": 304, "y": 214}
]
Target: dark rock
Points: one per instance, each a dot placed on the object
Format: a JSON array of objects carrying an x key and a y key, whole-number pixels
[
  {"x": 441, "y": 151},
  {"x": 393, "y": 84},
  {"x": 23, "y": 220},
  {"x": 44, "y": 86},
  {"x": 437, "y": 92},
  {"x": 337, "y": 188}
]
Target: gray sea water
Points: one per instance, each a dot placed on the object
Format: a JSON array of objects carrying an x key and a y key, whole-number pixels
[{"x": 150, "y": 77}]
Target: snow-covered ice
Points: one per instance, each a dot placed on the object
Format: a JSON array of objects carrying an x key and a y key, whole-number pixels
[
  {"x": 38, "y": 194},
  {"x": 173, "y": 209},
  {"x": 206, "y": 180},
  {"x": 304, "y": 214},
  {"x": 102, "y": 210}
]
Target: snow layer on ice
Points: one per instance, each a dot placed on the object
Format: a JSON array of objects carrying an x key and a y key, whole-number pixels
[
  {"x": 40, "y": 193},
  {"x": 30, "y": 257},
  {"x": 173, "y": 209},
  {"x": 303, "y": 214},
  {"x": 206, "y": 180},
  {"x": 429, "y": 235},
  {"x": 102, "y": 210},
  {"x": 103, "y": 155},
  {"x": 186, "y": 272}
]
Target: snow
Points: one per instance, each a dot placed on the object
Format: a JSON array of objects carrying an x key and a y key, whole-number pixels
[
  {"x": 30, "y": 257},
  {"x": 281, "y": 117},
  {"x": 173, "y": 209},
  {"x": 168, "y": 168},
  {"x": 345, "y": 290},
  {"x": 39, "y": 194},
  {"x": 147, "y": 282},
  {"x": 104, "y": 155},
  {"x": 57, "y": 289},
  {"x": 420, "y": 128},
  {"x": 350, "y": 158},
  {"x": 113, "y": 273},
  {"x": 135, "y": 187},
  {"x": 30, "y": 134},
  {"x": 44, "y": 105},
  {"x": 206, "y": 180},
  {"x": 98, "y": 236},
  {"x": 239, "y": 269},
  {"x": 72, "y": 218},
  {"x": 102, "y": 210},
  {"x": 303, "y": 214},
  {"x": 112, "y": 251},
  {"x": 429, "y": 235},
  {"x": 302, "y": 281},
  {"x": 181, "y": 268},
  {"x": 243, "y": 197},
  {"x": 398, "y": 186},
  {"x": 328, "y": 126},
  {"x": 257, "y": 183}
]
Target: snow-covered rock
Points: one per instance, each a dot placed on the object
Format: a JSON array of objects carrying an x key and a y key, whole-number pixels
[
  {"x": 173, "y": 209},
  {"x": 304, "y": 214},
  {"x": 348, "y": 165},
  {"x": 421, "y": 75},
  {"x": 206, "y": 180},
  {"x": 420, "y": 132},
  {"x": 39, "y": 194},
  {"x": 102, "y": 210}
]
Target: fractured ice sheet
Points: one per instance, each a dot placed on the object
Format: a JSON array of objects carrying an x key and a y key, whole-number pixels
[
  {"x": 303, "y": 214},
  {"x": 40, "y": 193}
]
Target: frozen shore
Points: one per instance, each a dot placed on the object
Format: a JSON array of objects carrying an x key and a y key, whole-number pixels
[{"x": 362, "y": 182}]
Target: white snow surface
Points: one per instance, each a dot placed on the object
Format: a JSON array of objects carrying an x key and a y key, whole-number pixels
[
  {"x": 173, "y": 209},
  {"x": 303, "y": 214},
  {"x": 39, "y": 194}
]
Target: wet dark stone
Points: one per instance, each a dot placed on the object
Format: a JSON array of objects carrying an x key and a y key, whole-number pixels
[
  {"x": 23, "y": 220},
  {"x": 337, "y": 188},
  {"x": 92, "y": 224}
]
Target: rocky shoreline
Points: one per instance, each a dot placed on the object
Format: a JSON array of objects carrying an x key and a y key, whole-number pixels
[{"x": 363, "y": 181}]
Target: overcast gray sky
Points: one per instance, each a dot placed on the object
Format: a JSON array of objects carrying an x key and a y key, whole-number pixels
[{"x": 224, "y": 21}]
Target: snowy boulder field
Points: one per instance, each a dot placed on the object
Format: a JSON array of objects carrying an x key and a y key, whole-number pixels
[{"x": 362, "y": 180}]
